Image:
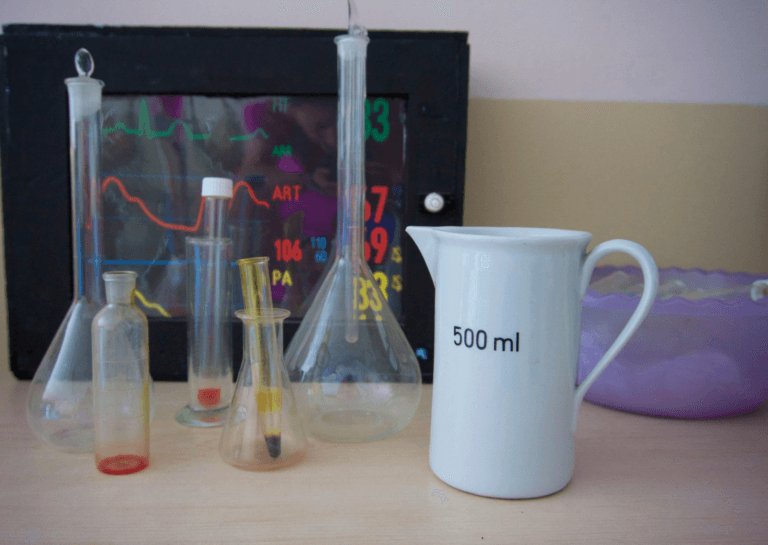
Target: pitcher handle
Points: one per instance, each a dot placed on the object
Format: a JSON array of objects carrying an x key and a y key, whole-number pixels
[{"x": 651, "y": 285}]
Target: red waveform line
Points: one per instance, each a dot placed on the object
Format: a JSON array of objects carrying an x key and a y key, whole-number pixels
[
  {"x": 176, "y": 227},
  {"x": 250, "y": 192},
  {"x": 150, "y": 215}
]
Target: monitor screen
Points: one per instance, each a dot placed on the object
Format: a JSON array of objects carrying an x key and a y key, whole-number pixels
[
  {"x": 281, "y": 153},
  {"x": 252, "y": 104}
]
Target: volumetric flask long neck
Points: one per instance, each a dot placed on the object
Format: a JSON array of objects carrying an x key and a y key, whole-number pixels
[
  {"x": 85, "y": 156},
  {"x": 351, "y": 167}
]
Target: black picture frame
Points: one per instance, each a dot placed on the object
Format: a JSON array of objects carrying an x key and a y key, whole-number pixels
[{"x": 429, "y": 69}]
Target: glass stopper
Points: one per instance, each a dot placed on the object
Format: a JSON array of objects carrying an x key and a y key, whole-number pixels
[
  {"x": 355, "y": 26},
  {"x": 83, "y": 62}
]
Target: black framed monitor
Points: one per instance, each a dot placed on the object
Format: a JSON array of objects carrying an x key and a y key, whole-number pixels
[{"x": 255, "y": 105}]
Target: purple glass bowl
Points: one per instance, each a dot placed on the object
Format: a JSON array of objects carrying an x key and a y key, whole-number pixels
[{"x": 689, "y": 359}]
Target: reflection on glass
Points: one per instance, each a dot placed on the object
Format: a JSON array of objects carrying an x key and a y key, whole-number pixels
[{"x": 281, "y": 154}]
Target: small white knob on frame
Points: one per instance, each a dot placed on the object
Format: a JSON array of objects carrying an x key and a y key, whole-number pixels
[{"x": 434, "y": 202}]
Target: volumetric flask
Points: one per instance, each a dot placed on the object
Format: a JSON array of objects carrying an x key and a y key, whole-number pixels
[
  {"x": 121, "y": 379},
  {"x": 263, "y": 430},
  {"x": 209, "y": 329},
  {"x": 355, "y": 376},
  {"x": 59, "y": 404}
]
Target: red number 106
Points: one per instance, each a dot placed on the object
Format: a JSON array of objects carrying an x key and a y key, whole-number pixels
[{"x": 288, "y": 250}]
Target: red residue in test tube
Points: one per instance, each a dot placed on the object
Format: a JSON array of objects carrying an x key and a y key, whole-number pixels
[{"x": 208, "y": 397}]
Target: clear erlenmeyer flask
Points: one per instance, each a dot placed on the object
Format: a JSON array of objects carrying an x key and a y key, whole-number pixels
[
  {"x": 355, "y": 376},
  {"x": 263, "y": 429},
  {"x": 59, "y": 404}
]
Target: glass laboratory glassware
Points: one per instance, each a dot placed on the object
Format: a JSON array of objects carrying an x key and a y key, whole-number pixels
[
  {"x": 209, "y": 328},
  {"x": 59, "y": 404},
  {"x": 355, "y": 376},
  {"x": 121, "y": 379},
  {"x": 263, "y": 429}
]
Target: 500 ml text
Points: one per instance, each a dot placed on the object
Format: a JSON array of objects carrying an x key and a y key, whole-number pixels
[{"x": 479, "y": 339}]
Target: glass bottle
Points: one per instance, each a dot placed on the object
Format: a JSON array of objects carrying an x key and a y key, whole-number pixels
[
  {"x": 355, "y": 376},
  {"x": 59, "y": 403},
  {"x": 120, "y": 379},
  {"x": 263, "y": 430},
  {"x": 209, "y": 327}
]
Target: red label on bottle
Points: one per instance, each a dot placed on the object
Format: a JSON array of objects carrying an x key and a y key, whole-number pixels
[{"x": 122, "y": 464}]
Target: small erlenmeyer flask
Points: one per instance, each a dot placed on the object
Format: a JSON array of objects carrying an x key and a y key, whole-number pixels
[
  {"x": 120, "y": 379},
  {"x": 59, "y": 404},
  {"x": 355, "y": 376},
  {"x": 209, "y": 328},
  {"x": 263, "y": 430}
]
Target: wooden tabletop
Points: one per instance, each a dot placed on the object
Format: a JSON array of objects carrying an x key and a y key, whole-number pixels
[{"x": 638, "y": 479}]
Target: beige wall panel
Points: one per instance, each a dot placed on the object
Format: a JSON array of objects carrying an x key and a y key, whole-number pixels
[{"x": 687, "y": 181}]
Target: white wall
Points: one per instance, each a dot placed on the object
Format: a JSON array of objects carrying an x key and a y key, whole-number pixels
[{"x": 707, "y": 51}]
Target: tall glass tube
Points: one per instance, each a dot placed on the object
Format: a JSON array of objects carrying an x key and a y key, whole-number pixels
[
  {"x": 121, "y": 379},
  {"x": 59, "y": 404},
  {"x": 355, "y": 376},
  {"x": 264, "y": 354},
  {"x": 209, "y": 313},
  {"x": 351, "y": 50}
]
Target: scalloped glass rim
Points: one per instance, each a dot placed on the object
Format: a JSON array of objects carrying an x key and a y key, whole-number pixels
[{"x": 741, "y": 306}]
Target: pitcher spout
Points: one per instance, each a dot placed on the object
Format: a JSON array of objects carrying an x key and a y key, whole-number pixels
[{"x": 427, "y": 241}]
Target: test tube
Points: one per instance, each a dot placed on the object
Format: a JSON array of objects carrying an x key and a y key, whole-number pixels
[
  {"x": 209, "y": 329},
  {"x": 264, "y": 354}
]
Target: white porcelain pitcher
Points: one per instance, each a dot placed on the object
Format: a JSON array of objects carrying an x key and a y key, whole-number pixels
[{"x": 507, "y": 333}]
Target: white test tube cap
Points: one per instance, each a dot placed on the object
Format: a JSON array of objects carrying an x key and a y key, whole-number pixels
[{"x": 217, "y": 188}]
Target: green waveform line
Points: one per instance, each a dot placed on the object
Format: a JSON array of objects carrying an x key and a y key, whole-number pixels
[
  {"x": 250, "y": 136},
  {"x": 145, "y": 128}
]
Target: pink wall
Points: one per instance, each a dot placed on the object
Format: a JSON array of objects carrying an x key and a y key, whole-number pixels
[{"x": 651, "y": 50}]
